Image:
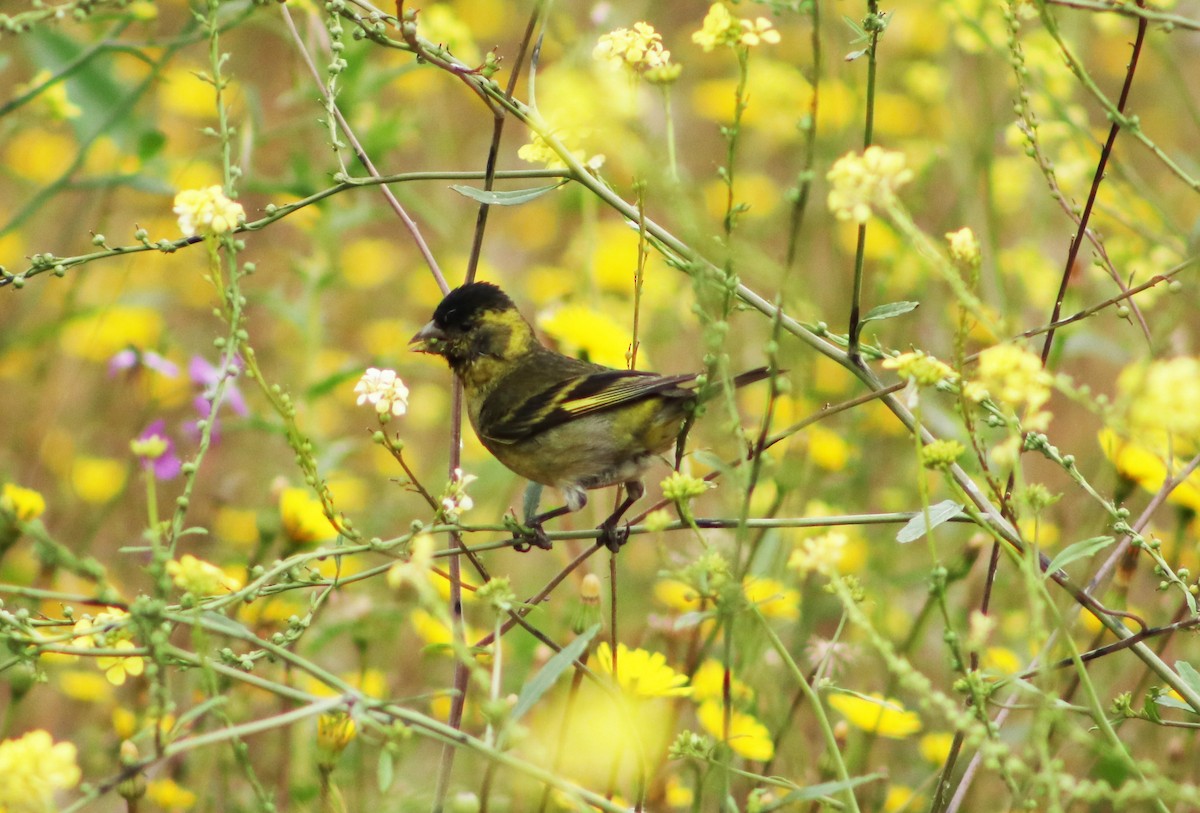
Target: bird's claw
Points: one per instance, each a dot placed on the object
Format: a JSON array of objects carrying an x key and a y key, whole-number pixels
[
  {"x": 613, "y": 535},
  {"x": 526, "y": 537}
]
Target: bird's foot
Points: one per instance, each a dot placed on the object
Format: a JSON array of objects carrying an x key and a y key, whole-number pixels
[
  {"x": 527, "y": 536},
  {"x": 613, "y": 534}
]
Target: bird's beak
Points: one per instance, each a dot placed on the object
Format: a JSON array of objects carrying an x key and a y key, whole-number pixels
[{"x": 427, "y": 338}]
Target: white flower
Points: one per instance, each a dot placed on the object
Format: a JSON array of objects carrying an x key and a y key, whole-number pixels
[
  {"x": 860, "y": 183},
  {"x": 383, "y": 390},
  {"x": 964, "y": 247},
  {"x": 207, "y": 211},
  {"x": 455, "y": 500}
]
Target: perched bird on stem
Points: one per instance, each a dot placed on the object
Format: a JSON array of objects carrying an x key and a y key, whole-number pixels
[{"x": 553, "y": 419}]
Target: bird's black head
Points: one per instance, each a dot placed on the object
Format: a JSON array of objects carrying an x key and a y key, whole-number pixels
[
  {"x": 465, "y": 305},
  {"x": 475, "y": 321}
]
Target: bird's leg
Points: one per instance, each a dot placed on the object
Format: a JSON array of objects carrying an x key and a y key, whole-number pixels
[
  {"x": 612, "y": 536},
  {"x": 534, "y": 534}
]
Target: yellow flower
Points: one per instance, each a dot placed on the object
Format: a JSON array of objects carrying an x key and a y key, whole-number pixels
[
  {"x": 86, "y": 687},
  {"x": 39, "y": 155},
  {"x": 97, "y": 480},
  {"x": 941, "y": 453},
  {"x": 303, "y": 517},
  {"x": 182, "y": 93},
  {"x": 774, "y": 88},
  {"x": 117, "y": 668},
  {"x": 772, "y": 598},
  {"x": 539, "y": 151},
  {"x": 1161, "y": 399},
  {"x": 334, "y": 732},
  {"x": 1148, "y": 469},
  {"x": 719, "y": 28},
  {"x": 433, "y": 631},
  {"x": 237, "y": 526},
  {"x": 680, "y": 487},
  {"x": 919, "y": 367},
  {"x": 108, "y": 630},
  {"x": 371, "y": 682},
  {"x": 642, "y": 673},
  {"x": 902, "y": 797},
  {"x": 54, "y": 99},
  {"x": 169, "y": 795},
  {"x": 103, "y": 334},
  {"x": 887, "y": 718},
  {"x": 207, "y": 212},
  {"x": 440, "y": 24},
  {"x": 747, "y": 736},
  {"x": 583, "y": 331},
  {"x": 32, "y": 768},
  {"x": 864, "y": 182},
  {"x": 658, "y": 520},
  {"x": 756, "y": 31},
  {"x": 678, "y": 794},
  {"x": 827, "y": 448},
  {"x": 23, "y": 503},
  {"x": 1000, "y": 660},
  {"x": 124, "y": 722},
  {"x": 819, "y": 554},
  {"x": 368, "y": 262},
  {"x": 142, "y": 10},
  {"x": 200, "y": 578},
  {"x": 640, "y": 50},
  {"x": 722, "y": 28},
  {"x": 415, "y": 571},
  {"x": 709, "y": 680},
  {"x": 1013, "y": 376},
  {"x": 935, "y": 747},
  {"x": 677, "y": 595},
  {"x": 964, "y": 248}
]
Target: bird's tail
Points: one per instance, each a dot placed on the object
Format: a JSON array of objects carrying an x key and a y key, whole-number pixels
[
  {"x": 750, "y": 376},
  {"x": 741, "y": 380}
]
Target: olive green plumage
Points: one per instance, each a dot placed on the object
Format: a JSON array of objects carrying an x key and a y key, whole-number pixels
[{"x": 550, "y": 418}]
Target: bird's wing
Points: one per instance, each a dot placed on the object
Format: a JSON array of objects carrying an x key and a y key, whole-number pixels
[{"x": 573, "y": 398}]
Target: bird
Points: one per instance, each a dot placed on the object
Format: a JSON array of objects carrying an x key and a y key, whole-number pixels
[{"x": 551, "y": 418}]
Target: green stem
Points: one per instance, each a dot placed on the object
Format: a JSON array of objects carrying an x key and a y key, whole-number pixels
[{"x": 814, "y": 701}]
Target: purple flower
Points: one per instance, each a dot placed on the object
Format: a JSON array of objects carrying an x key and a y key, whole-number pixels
[
  {"x": 208, "y": 377},
  {"x": 156, "y": 451},
  {"x": 133, "y": 359}
]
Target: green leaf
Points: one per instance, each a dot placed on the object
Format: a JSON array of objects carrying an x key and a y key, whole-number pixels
[
  {"x": 533, "y": 497},
  {"x": 1166, "y": 701},
  {"x": 1113, "y": 766},
  {"x": 150, "y": 143},
  {"x": 1077, "y": 550},
  {"x": 821, "y": 791},
  {"x": 198, "y": 711},
  {"x": 549, "y": 673},
  {"x": 1189, "y": 674},
  {"x": 385, "y": 769},
  {"x": 938, "y": 514},
  {"x": 227, "y": 625},
  {"x": 91, "y": 85},
  {"x": 714, "y": 462},
  {"x": 331, "y": 382},
  {"x": 513, "y": 197},
  {"x": 1190, "y": 600},
  {"x": 889, "y": 310}
]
